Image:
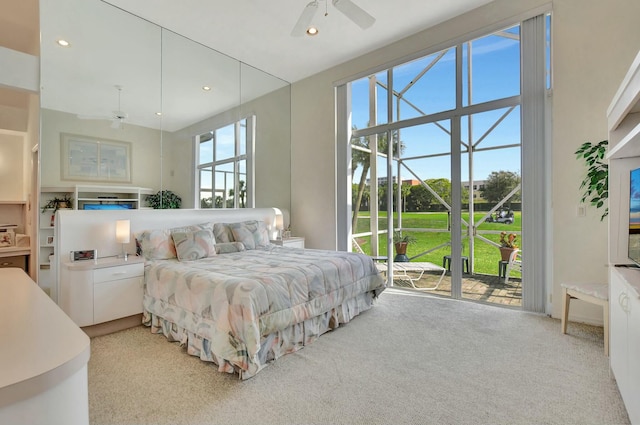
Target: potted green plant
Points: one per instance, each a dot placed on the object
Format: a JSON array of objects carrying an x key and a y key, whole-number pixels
[
  {"x": 400, "y": 243},
  {"x": 596, "y": 182},
  {"x": 164, "y": 199},
  {"x": 507, "y": 245},
  {"x": 66, "y": 201}
]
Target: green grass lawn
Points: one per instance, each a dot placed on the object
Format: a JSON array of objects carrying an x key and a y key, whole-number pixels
[{"x": 486, "y": 256}]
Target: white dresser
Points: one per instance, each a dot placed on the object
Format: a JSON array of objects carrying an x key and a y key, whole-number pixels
[
  {"x": 93, "y": 292},
  {"x": 292, "y": 242}
]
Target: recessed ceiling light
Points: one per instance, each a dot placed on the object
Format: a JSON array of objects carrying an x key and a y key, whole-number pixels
[
  {"x": 63, "y": 43},
  {"x": 312, "y": 31},
  {"x": 206, "y": 88},
  {"x": 158, "y": 113}
]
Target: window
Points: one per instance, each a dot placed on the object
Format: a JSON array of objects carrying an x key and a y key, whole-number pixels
[
  {"x": 222, "y": 177},
  {"x": 451, "y": 120}
]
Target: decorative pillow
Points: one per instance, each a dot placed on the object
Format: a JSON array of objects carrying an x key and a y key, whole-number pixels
[
  {"x": 253, "y": 234},
  {"x": 193, "y": 228},
  {"x": 156, "y": 244},
  {"x": 222, "y": 233},
  {"x": 193, "y": 245},
  {"x": 229, "y": 247}
]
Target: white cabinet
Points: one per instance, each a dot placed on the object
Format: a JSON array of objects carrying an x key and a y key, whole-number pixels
[
  {"x": 93, "y": 292},
  {"x": 84, "y": 197},
  {"x": 292, "y": 242},
  {"x": 625, "y": 336},
  {"x": 623, "y": 118}
]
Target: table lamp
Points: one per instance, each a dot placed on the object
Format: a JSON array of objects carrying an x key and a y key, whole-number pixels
[{"x": 123, "y": 230}]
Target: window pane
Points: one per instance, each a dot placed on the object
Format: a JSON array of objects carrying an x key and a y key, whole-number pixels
[
  {"x": 425, "y": 86},
  {"x": 206, "y": 178},
  {"x": 495, "y": 70},
  {"x": 206, "y": 148},
  {"x": 206, "y": 200},
  {"x": 425, "y": 140},
  {"x": 225, "y": 143}
]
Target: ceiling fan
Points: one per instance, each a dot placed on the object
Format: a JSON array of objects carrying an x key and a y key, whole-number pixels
[
  {"x": 117, "y": 118},
  {"x": 347, "y": 7}
]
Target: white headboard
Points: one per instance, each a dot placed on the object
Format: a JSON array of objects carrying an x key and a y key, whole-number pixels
[{"x": 84, "y": 230}]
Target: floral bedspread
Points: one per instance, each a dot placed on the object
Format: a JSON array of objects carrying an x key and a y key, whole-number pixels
[{"x": 233, "y": 301}]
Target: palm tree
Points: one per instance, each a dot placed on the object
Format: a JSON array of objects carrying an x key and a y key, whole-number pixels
[{"x": 364, "y": 158}]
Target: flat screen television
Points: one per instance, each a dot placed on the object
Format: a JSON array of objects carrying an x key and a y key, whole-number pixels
[
  {"x": 634, "y": 216},
  {"x": 107, "y": 206}
]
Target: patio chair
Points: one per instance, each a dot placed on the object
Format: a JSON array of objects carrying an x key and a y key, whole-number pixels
[{"x": 515, "y": 263}]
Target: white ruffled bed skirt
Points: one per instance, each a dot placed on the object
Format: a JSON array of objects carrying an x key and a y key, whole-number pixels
[{"x": 272, "y": 346}]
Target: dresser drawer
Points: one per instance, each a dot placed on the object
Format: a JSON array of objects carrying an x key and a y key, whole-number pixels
[
  {"x": 19, "y": 261},
  {"x": 109, "y": 274},
  {"x": 117, "y": 298}
]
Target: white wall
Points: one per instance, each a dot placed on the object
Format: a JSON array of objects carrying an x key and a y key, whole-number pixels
[{"x": 594, "y": 43}]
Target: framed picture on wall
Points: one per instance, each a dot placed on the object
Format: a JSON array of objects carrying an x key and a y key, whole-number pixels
[{"x": 94, "y": 159}]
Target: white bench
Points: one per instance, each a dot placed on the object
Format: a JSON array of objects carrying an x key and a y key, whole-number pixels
[{"x": 400, "y": 270}]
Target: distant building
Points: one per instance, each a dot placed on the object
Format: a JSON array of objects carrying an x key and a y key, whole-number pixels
[
  {"x": 382, "y": 181},
  {"x": 478, "y": 185},
  {"x": 411, "y": 182}
]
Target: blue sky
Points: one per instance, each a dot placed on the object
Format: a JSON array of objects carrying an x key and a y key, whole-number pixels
[{"x": 496, "y": 75}]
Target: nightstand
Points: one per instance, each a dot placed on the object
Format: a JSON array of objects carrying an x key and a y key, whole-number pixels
[
  {"x": 292, "y": 242},
  {"x": 99, "y": 291}
]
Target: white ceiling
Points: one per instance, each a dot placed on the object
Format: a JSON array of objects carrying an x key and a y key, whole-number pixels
[
  {"x": 110, "y": 47},
  {"x": 257, "y": 32}
]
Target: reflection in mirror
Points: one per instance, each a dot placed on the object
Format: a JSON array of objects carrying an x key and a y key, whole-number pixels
[
  {"x": 200, "y": 93},
  {"x": 125, "y": 79},
  {"x": 104, "y": 84},
  {"x": 266, "y": 102}
]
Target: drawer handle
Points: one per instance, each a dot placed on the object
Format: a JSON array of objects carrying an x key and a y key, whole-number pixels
[
  {"x": 623, "y": 300},
  {"x": 119, "y": 273}
]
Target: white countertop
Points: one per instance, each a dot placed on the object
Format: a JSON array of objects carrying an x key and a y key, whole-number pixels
[
  {"x": 631, "y": 276},
  {"x": 41, "y": 346}
]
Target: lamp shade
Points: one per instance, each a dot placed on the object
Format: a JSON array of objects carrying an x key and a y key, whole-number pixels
[
  {"x": 123, "y": 230},
  {"x": 279, "y": 222}
]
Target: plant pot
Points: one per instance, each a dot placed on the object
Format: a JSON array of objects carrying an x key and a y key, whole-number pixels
[
  {"x": 505, "y": 252},
  {"x": 401, "y": 252}
]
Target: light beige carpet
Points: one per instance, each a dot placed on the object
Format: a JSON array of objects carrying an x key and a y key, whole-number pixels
[{"x": 412, "y": 359}]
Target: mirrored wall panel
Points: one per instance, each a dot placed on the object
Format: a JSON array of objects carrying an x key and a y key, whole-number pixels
[{"x": 109, "y": 75}]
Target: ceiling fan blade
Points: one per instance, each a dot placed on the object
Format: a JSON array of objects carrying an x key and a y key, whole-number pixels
[
  {"x": 304, "y": 20},
  {"x": 355, "y": 13}
]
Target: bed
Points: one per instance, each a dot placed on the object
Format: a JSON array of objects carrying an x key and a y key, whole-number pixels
[{"x": 234, "y": 299}]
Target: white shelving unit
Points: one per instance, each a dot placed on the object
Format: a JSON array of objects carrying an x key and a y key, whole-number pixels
[
  {"x": 624, "y": 283},
  {"x": 132, "y": 196},
  {"x": 82, "y": 195}
]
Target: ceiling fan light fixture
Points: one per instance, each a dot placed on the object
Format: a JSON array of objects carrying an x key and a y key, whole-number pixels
[
  {"x": 312, "y": 31},
  {"x": 304, "y": 21}
]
